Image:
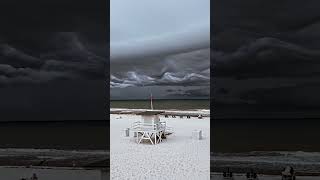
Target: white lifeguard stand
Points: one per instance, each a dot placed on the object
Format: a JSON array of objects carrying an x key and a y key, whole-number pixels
[
  {"x": 150, "y": 127},
  {"x": 151, "y": 117}
]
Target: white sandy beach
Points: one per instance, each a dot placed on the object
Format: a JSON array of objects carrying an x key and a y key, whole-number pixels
[{"x": 177, "y": 157}]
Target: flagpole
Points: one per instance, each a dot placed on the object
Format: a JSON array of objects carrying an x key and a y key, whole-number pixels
[{"x": 151, "y": 105}]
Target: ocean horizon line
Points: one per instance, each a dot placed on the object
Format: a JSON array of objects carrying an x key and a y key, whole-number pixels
[{"x": 148, "y": 99}]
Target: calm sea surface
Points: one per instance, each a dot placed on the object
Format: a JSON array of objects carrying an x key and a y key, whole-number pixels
[
  {"x": 161, "y": 104},
  {"x": 232, "y": 136},
  {"x": 67, "y": 135}
]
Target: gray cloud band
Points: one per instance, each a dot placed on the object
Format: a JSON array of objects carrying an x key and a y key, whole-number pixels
[
  {"x": 185, "y": 69},
  {"x": 193, "y": 38},
  {"x": 71, "y": 61},
  {"x": 266, "y": 56},
  {"x": 167, "y": 60},
  {"x": 168, "y": 79}
]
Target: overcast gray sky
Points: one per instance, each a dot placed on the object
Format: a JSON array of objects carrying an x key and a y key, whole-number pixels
[
  {"x": 160, "y": 46},
  {"x": 266, "y": 59}
]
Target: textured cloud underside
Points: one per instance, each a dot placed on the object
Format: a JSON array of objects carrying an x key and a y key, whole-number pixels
[{"x": 61, "y": 56}]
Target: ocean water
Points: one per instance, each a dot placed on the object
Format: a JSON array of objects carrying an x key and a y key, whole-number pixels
[
  {"x": 66, "y": 135},
  {"x": 15, "y": 173},
  {"x": 162, "y": 104},
  {"x": 266, "y": 145},
  {"x": 237, "y": 135},
  {"x": 268, "y": 162}
]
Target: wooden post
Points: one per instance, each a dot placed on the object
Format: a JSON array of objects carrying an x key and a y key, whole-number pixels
[
  {"x": 151, "y": 104},
  {"x": 126, "y": 131}
]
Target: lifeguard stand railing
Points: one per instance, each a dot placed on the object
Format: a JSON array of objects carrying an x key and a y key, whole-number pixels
[{"x": 149, "y": 131}]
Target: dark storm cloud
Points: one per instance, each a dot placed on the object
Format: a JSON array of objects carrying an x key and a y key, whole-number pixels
[
  {"x": 53, "y": 76},
  {"x": 264, "y": 16},
  {"x": 11, "y": 55},
  {"x": 181, "y": 70},
  {"x": 198, "y": 92},
  {"x": 156, "y": 46},
  {"x": 175, "y": 70},
  {"x": 58, "y": 56},
  {"x": 54, "y": 15},
  {"x": 54, "y": 60},
  {"x": 172, "y": 79},
  {"x": 10, "y": 75},
  {"x": 265, "y": 55}
]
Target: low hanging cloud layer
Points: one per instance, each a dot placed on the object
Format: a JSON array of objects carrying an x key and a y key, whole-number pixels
[
  {"x": 53, "y": 60},
  {"x": 169, "y": 49},
  {"x": 266, "y": 61},
  {"x": 60, "y": 56},
  {"x": 179, "y": 71},
  {"x": 168, "y": 78},
  {"x": 194, "y": 38},
  {"x": 254, "y": 58},
  {"x": 53, "y": 76},
  {"x": 176, "y": 70}
]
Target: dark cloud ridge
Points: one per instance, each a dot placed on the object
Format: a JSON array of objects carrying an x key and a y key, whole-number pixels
[
  {"x": 266, "y": 57},
  {"x": 49, "y": 57},
  {"x": 174, "y": 70}
]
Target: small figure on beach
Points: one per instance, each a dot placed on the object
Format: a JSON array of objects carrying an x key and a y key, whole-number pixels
[
  {"x": 252, "y": 175},
  {"x": 288, "y": 173},
  {"x": 33, "y": 177},
  {"x": 227, "y": 175}
]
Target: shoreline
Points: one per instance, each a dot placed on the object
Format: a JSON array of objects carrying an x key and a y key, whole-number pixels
[
  {"x": 172, "y": 109},
  {"x": 267, "y": 162},
  {"x": 55, "y": 135},
  {"x": 162, "y": 104},
  {"x": 191, "y": 112},
  {"x": 218, "y": 176},
  {"x": 23, "y": 157}
]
